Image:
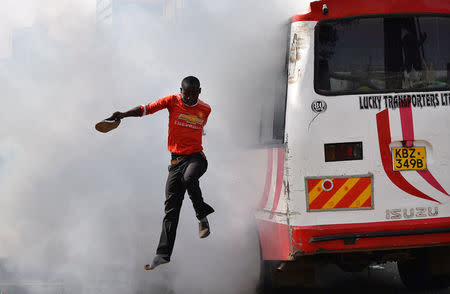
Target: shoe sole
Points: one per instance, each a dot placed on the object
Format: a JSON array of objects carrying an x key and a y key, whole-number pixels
[
  {"x": 105, "y": 126},
  {"x": 149, "y": 267},
  {"x": 205, "y": 235}
]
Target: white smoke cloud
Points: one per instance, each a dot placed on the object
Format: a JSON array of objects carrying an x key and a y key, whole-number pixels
[
  {"x": 86, "y": 208},
  {"x": 63, "y": 19}
]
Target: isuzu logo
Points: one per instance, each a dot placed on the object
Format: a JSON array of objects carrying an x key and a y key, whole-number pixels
[
  {"x": 319, "y": 106},
  {"x": 408, "y": 213}
]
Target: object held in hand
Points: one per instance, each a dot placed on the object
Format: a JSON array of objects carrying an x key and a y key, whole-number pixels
[{"x": 107, "y": 125}]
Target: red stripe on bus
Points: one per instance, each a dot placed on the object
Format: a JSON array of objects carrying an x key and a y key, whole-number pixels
[
  {"x": 406, "y": 119},
  {"x": 354, "y": 193},
  {"x": 345, "y": 8},
  {"x": 407, "y": 122},
  {"x": 384, "y": 139},
  {"x": 274, "y": 240},
  {"x": 280, "y": 171},
  {"x": 324, "y": 196},
  {"x": 265, "y": 197},
  {"x": 426, "y": 174}
]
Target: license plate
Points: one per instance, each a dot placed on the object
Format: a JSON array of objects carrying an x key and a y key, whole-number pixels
[{"x": 409, "y": 158}]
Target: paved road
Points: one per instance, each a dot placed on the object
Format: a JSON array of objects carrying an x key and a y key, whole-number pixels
[
  {"x": 378, "y": 279},
  {"x": 383, "y": 279}
]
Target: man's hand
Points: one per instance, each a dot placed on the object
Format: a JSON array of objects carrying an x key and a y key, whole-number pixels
[{"x": 116, "y": 116}]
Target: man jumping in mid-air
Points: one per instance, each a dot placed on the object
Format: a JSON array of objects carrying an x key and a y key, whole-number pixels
[{"x": 187, "y": 117}]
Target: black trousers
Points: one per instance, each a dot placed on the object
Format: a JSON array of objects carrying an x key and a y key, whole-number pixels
[{"x": 183, "y": 176}]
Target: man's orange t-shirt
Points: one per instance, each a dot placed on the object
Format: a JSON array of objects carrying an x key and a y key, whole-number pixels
[{"x": 185, "y": 122}]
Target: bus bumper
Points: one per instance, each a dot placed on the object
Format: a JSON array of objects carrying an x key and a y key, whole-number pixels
[{"x": 281, "y": 242}]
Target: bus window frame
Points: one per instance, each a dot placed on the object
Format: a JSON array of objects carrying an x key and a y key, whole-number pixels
[
  {"x": 272, "y": 140},
  {"x": 285, "y": 93},
  {"x": 341, "y": 93}
]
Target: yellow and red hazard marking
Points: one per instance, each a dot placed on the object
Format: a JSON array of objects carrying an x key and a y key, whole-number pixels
[{"x": 340, "y": 193}]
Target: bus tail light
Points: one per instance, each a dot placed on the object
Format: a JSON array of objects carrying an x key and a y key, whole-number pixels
[{"x": 343, "y": 151}]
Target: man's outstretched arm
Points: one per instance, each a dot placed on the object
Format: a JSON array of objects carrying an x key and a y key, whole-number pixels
[
  {"x": 137, "y": 111},
  {"x": 145, "y": 109}
]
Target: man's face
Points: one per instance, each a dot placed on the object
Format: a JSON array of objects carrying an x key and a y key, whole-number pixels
[{"x": 190, "y": 95}]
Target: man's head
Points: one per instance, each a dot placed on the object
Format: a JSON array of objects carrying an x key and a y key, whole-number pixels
[{"x": 190, "y": 89}]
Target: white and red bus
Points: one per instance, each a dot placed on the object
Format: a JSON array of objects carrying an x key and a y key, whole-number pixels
[{"x": 358, "y": 148}]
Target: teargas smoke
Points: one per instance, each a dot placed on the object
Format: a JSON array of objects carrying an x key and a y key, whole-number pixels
[{"x": 81, "y": 211}]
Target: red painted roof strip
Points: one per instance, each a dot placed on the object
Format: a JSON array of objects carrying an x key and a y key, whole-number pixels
[{"x": 345, "y": 8}]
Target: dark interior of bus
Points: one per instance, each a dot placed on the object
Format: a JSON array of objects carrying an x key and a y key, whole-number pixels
[{"x": 382, "y": 53}]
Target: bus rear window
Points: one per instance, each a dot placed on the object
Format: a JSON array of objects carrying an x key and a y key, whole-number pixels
[{"x": 382, "y": 54}]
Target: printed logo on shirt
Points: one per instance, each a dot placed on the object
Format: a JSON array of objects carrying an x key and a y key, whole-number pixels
[
  {"x": 191, "y": 126},
  {"x": 190, "y": 118}
]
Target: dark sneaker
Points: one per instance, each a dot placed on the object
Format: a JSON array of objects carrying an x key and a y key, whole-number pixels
[
  {"x": 158, "y": 260},
  {"x": 203, "y": 228}
]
